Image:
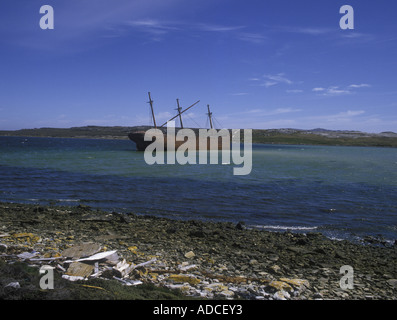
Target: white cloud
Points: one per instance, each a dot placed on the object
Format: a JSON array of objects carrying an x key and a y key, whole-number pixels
[
  {"x": 218, "y": 28},
  {"x": 314, "y": 31},
  {"x": 337, "y": 91},
  {"x": 278, "y": 78},
  {"x": 255, "y": 38},
  {"x": 239, "y": 94},
  {"x": 265, "y": 112},
  {"x": 285, "y": 110},
  {"x": 331, "y": 91},
  {"x": 164, "y": 115},
  {"x": 340, "y": 117},
  {"x": 269, "y": 80},
  {"x": 363, "y": 85},
  {"x": 254, "y": 111},
  {"x": 268, "y": 84},
  {"x": 350, "y": 113},
  {"x": 158, "y": 28},
  {"x": 294, "y": 91},
  {"x": 153, "y": 27}
]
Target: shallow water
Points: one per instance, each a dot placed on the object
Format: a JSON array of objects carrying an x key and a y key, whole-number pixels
[{"x": 343, "y": 192}]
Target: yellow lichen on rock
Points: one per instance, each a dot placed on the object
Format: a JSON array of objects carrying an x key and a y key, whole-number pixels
[
  {"x": 184, "y": 278},
  {"x": 280, "y": 285},
  {"x": 27, "y": 237},
  {"x": 297, "y": 283}
]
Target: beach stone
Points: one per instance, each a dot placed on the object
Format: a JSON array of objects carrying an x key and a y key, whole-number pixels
[
  {"x": 392, "y": 282},
  {"x": 253, "y": 262},
  {"x": 83, "y": 250},
  {"x": 298, "y": 284},
  {"x": 317, "y": 296},
  {"x": 275, "y": 268},
  {"x": 273, "y": 257},
  {"x": 281, "y": 295},
  {"x": 180, "y": 278},
  {"x": 216, "y": 287},
  {"x": 78, "y": 269},
  {"x": 227, "y": 294},
  {"x": 189, "y": 255},
  {"x": 280, "y": 286}
]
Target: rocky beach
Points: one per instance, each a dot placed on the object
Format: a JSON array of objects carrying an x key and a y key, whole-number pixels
[{"x": 108, "y": 255}]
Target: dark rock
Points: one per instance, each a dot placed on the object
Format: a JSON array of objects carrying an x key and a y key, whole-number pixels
[
  {"x": 241, "y": 225},
  {"x": 83, "y": 207},
  {"x": 200, "y": 233},
  {"x": 124, "y": 218},
  {"x": 171, "y": 230},
  {"x": 302, "y": 241},
  {"x": 39, "y": 209},
  {"x": 340, "y": 255},
  {"x": 315, "y": 236}
]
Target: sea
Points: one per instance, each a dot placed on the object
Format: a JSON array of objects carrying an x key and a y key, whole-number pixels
[{"x": 342, "y": 192}]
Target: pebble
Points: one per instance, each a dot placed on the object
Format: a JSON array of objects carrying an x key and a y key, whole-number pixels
[{"x": 189, "y": 255}]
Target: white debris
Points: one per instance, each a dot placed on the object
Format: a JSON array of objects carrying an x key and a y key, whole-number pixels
[
  {"x": 14, "y": 285},
  {"x": 27, "y": 255},
  {"x": 188, "y": 267},
  {"x": 145, "y": 263},
  {"x": 61, "y": 268},
  {"x": 128, "y": 282},
  {"x": 72, "y": 278},
  {"x": 123, "y": 267},
  {"x": 97, "y": 256}
]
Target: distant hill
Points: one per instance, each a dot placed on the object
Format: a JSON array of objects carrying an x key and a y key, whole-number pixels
[
  {"x": 316, "y": 136},
  {"x": 325, "y": 137}
]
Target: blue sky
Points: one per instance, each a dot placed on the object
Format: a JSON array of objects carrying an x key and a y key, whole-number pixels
[{"x": 257, "y": 63}]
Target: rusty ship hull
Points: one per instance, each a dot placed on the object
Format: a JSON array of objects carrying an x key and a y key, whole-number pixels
[{"x": 198, "y": 144}]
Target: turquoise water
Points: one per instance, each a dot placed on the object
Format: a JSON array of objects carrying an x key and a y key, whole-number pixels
[{"x": 343, "y": 192}]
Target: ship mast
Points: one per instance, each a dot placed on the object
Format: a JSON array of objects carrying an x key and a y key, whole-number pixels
[
  {"x": 151, "y": 107},
  {"x": 179, "y": 112},
  {"x": 209, "y": 115}
]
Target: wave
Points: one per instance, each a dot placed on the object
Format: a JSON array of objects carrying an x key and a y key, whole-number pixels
[{"x": 291, "y": 228}]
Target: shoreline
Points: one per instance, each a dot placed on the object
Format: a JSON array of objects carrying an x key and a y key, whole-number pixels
[
  {"x": 261, "y": 136},
  {"x": 190, "y": 259}
]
